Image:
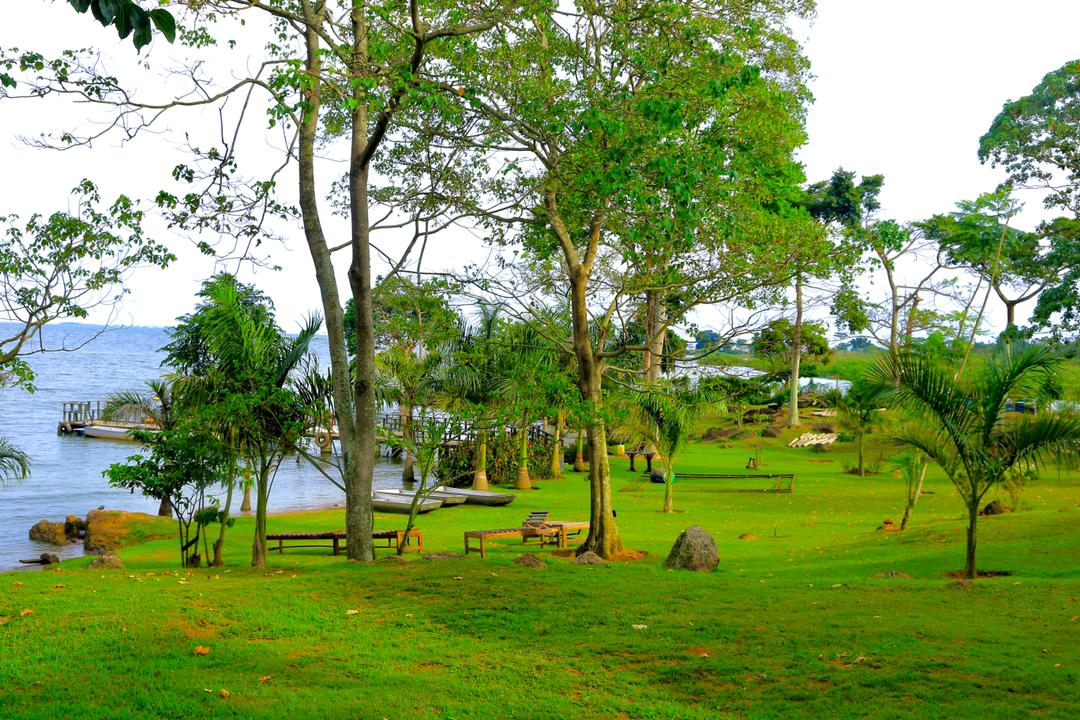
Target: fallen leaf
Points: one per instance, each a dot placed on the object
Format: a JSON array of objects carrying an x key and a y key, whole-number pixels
[
  {"x": 59, "y": 586},
  {"x": 25, "y": 612},
  {"x": 224, "y": 693},
  {"x": 457, "y": 577},
  {"x": 352, "y": 612},
  {"x": 640, "y": 627},
  {"x": 202, "y": 650},
  {"x": 18, "y": 583},
  {"x": 265, "y": 679}
]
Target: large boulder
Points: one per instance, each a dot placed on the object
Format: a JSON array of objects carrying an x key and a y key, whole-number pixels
[
  {"x": 75, "y": 527},
  {"x": 995, "y": 508},
  {"x": 589, "y": 558},
  {"x": 49, "y": 532},
  {"x": 694, "y": 550},
  {"x": 715, "y": 433}
]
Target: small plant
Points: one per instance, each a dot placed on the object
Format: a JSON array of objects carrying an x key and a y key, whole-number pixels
[{"x": 1015, "y": 482}]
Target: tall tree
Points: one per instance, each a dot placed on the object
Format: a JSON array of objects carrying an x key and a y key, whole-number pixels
[
  {"x": 1034, "y": 140},
  {"x": 604, "y": 111},
  {"x": 337, "y": 78}
]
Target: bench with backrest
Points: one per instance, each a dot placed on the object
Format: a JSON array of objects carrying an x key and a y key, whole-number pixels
[{"x": 392, "y": 539}]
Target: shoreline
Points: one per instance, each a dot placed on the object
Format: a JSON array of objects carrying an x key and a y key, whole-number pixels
[{"x": 59, "y": 550}]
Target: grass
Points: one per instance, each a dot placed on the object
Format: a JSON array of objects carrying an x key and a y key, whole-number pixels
[{"x": 804, "y": 621}]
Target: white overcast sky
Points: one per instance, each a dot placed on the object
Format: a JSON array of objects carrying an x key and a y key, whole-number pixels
[{"x": 902, "y": 88}]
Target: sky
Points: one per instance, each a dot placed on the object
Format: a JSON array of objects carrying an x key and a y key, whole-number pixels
[{"x": 901, "y": 88}]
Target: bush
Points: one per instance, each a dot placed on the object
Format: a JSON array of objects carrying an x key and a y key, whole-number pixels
[{"x": 456, "y": 464}]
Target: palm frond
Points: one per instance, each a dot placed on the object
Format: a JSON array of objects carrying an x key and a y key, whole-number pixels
[{"x": 14, "y": 463}]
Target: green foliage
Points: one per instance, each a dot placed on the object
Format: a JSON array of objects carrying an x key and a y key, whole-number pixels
[
  {"x": 129, "y": 19},
  {"x": 966, "y": 431},
  {"x": 65, "y": 265},
  {"x": 184, "y": 462},
  {"x": 504, "y": 452},
  {"x": 14, "y": 463},
  {"x": 774, "y": 343}
]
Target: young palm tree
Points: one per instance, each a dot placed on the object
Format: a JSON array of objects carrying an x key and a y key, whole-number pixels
[
  {"x": 858, "y": 410},
  {"x": 671, "y": 409},
  {"x": 965, "y": 428},
  {"x": 158, "y": 405}
]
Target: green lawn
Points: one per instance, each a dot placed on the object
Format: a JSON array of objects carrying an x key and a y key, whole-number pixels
[{"x": 802, "y": 621}]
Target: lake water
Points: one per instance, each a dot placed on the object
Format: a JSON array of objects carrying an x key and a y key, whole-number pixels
[{"x": 65, "y": 476}]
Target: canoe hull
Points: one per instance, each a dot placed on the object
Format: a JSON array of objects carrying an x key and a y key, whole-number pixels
[
  {"x": 482, "y": 497},
  {"x": 401, "y": 505}
]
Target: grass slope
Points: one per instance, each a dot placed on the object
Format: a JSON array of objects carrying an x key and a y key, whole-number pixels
[{"x": 797, "y": 623}]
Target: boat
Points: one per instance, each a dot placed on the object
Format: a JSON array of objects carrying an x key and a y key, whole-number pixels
[
  {"x": 113, "y": 432},
  {"x": 481, "y": 497},
  {"x": 448, "y": 499},
  {"x": 390, "y": 503}
]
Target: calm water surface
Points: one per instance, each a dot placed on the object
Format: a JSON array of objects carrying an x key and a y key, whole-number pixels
[{"x": 66, "y": 470}]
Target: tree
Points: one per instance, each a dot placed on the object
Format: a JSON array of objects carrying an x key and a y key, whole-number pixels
[
  {"x": 964, "y": 427},
  {"x": 608, "y": 110},
  {"x": 776, "y": 342},
  {"x": 338, "y": 79},
  {"x": 64, "y": 266},
  {"x": 1034, "y": 140},
  {"x": 672, "y": 409},
  {"x": 184, "y": 462},
  {"x": 245, "y": 361},
  {"x": 859, "y": 408}
]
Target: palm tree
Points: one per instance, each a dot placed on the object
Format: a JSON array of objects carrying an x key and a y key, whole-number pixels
[
  {"x": 14, "y": 463},
  {"x": 670, "y": 409},
  {"x": 244, "y": 361},
  {"x": 157, "y": 405},
  {"x": 965, "y": 429},
  {"x": 858, "y": 410}
]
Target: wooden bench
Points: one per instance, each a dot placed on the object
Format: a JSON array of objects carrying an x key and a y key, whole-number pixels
[
  {"x": 640, "y": 451},
  {"x": 546, "y": 535},
  {"x": 393, "y": 538},
  {"x": 776, "y": 478}
]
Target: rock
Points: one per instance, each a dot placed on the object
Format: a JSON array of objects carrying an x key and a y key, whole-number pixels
[
  {"x": 893, "y": 574},
  {"x": 657, "y": 476},
  {"x": 109, "y": 560},
  {"x": 443, "y": 556},
  {"x": 74, "y": 527},
  {"x": 995, "y": 508},
  {"x": 748, "y": 536},
  {"x": 530, "y": 560},
  {"x": 589, "y": 558},
  {"x": 824, "y": 428},
  {"x": 49, "y": 532},
  {"x": 771, "y": 431},
  {"x": 694, "y": 550},
  {"x": 48, "y": 559},
  {"x": 715, "y": 433}
]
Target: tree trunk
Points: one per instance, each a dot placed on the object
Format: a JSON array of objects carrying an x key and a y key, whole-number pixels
[
  {"x": 669, "y": 491},
  {"x": 557, "y": 453},
  {"x": 165, "y": 508},
  {"x": 1010, "y": 313},
  {"x": 524, "y": 482},
  {"x": 408, "y": 474},
  {"x": 862, "y": 470},
  {"x": 480, "y": 479},
  {"x": 969, "y": 563},
  {"x": 245, "y": 504},
  {"x": 796, "y": 353},
  {"x": 262, "y": 488},
  {"x": 219, "y": 545},
  {"x": 357, "y": 453},
  {"x": 914, "y": 497},
  {"x": 579, "y": 456}
]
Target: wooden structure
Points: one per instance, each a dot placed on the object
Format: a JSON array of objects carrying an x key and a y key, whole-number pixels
[
  {"x": 536, "y": 525},
  {"x": 391, "y": 538},
  {"x": 778, "y": 486},
  {"x": 809, "y": 439}
]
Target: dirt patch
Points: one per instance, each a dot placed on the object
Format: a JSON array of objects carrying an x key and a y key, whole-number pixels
[
  {"x": 701, "y": 652},
  {"x": 959, "y": 574},
  {"x": 629, "y": 556},
  {"x": 821, "y": 462}
]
